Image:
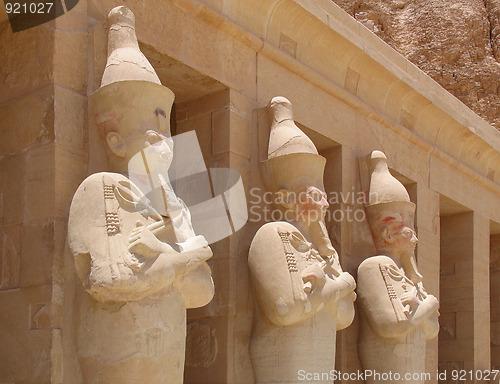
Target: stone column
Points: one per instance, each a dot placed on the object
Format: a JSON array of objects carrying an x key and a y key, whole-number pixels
[
  {"x": 495, "y": 300},
  {"x": 217, "y": 335},
  {"x": 42, "y": 160},
  {"x": 427, "y": 220},
  {"x": 464, "y": 336}
]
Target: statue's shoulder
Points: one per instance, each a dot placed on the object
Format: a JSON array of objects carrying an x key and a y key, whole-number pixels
[
  {"x": 94, "y": 189},
  {"x": 90, "y": 191},
  {"x": 274, "y": 228},
  {"x": 88, "y": 210},
  {"x": 97, "y": 181},
  {"x": 375, "y": 262},
  {"x": 271, "y": 240}
]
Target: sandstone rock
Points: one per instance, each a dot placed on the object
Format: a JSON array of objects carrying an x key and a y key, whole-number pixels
[{"x": 456, "y": 42}]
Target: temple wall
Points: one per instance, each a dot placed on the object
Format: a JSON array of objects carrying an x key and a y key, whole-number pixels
[
  {"x": 225, "y": 60},
  {"x": 29, "y": 222},
  {"x": 494, "y": 300}
]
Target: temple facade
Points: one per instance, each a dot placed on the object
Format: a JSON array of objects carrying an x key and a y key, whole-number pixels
[{"x": 224, "y": 60}]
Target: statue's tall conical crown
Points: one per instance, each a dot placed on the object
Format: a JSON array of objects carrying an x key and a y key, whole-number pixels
[
  {"x": 286, "y": 137},
  {"x": 125, "y": 60},
  {"x": 384, "y": 188},
  {"x": 292, "y": 157},
  {"x": 131, "y": 97}
]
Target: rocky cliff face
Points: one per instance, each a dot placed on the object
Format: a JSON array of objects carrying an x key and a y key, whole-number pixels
[{"x": 456, "y": 42}]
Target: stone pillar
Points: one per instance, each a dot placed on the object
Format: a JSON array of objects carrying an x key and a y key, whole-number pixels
[
  {"x": 43, "y": 74},
  {"x": 70, "y": 162},
  {"x": 482, "y": 358},
  {"x": 208, "y": 327},
  {"x": 217, "y": 337},
  {"x": 465, "y": 329},
  {"x": 495, "y": 300},
  {"x": 427, "y": 219}
]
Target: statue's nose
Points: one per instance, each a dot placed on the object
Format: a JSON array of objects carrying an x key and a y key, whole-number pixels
[{"x": 414, "y": 239}]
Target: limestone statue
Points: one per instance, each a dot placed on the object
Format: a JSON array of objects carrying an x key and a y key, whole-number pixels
[
  {"x": 137, "y": 257},
  {"x": 303, "y": 296},
  {"x": 397, "y": 314}
]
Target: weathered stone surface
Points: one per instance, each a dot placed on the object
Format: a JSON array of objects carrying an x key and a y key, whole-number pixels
[
  {"x": 21, "y": 132},
  {"x": 12, "y": 187},
  {"x": 70, "y": 58},
  {"x": 39, "y": 183},
  {"x": 465, "y": 289},
  {"x": 231, "y": 133},
  {"x": 20, "y": 72},
  {"x": 37, "y": 254},
  {"x": 10, "y": 260},
  {"x": 457, "y": 43},
  {"x": 70, "y": 112},
  {"x": 70, "y": 169},
  {"x": 19, "y": 339},
  {"x": 201, "y": 345},
  {"x": 311, "y": 52}
]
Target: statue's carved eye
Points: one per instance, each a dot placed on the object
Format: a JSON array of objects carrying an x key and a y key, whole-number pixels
[{"x": 160, "y": 111}]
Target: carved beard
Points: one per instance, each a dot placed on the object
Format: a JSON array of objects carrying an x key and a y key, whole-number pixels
[
  {"x": 148, "y": 169},
  {"x": 320, "y": 238},
  {"x": 410, "y": 267}
]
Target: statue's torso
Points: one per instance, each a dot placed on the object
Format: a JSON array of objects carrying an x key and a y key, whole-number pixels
[
  {"x": 281, "y": 353},
  {"x": 389, "y": 354},
  {"x": 125, "y": 326},
  {"x": 385, "y": 355},
  {"x": 120, "y": 343}
]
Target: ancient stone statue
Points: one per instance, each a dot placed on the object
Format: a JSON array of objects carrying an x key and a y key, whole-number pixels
[
  {"x": 397, "y": 315},
  {"x": 302, "y": 294},
  {"x": 135, "y": 252}
]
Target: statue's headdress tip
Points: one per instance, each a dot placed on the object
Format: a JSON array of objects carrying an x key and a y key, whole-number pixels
[
  {"x": 121, "y": 13},
  {"x": 279, "y": 100},
  {"x": 378, "y": 155}
]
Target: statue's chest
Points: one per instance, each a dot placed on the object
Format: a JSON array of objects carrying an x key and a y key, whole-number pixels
[
  {"x": 396, "y": 280},
  {"x": 124, "y": 209},
  {"x": 299, "y": 253},
  {"x": 401, "y": 290}
]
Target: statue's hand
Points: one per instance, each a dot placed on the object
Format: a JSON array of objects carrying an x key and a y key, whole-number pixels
[
  {"x": 188, "y": 261},
  {"x": 431, "y": 326},
  {"x": 143, "y": 242},
  {"x": 410, "y": 298},
  {"x": 342, "y": 293},
  {"x": 313, "y": 276},
  {"x": 433, "y": 301},
  {"x": 348, "y": 283}
]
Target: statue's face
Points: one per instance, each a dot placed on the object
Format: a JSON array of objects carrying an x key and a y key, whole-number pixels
[
  {"x": 149, "y": 138},
  {"x": 311, "y": 204},
  {"x": 400, "y": 235},
  {"x": 127, "y": 140},
  {"x": 151, "y": 147},
  {"x": 151, "y": 153},
  {"x": 406, "y": 239}
]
